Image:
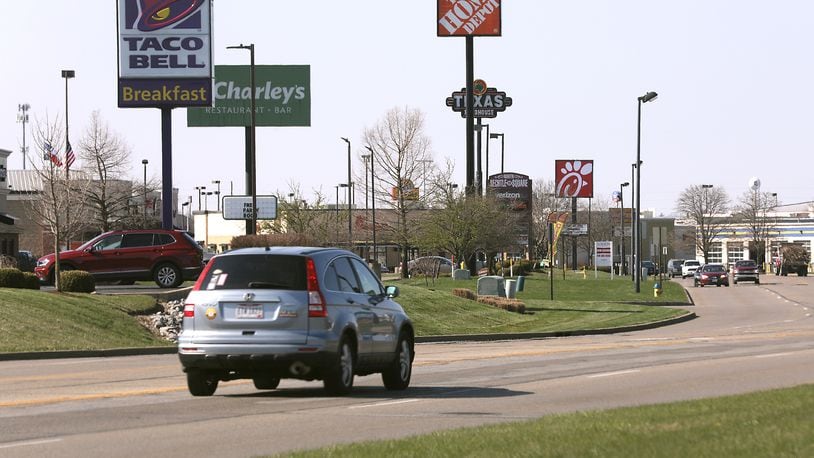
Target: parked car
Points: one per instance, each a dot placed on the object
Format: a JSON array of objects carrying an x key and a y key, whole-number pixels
[
  {"x": 711, "y": 274},
  {"x": 745, "y": 270},
  {"x": 428, "y": 264},
  {"x": 674, "y": 267},
  {"x": 167, "y": 257},
  {"x": 26, "y": 261},
  {"x": 651, "y": 267},
  {"x": 689, "y": 267},
  {"x": 292, "y": 312}
]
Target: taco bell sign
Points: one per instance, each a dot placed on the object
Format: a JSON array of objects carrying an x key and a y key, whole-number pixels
[{"x": 165, "y": 54}]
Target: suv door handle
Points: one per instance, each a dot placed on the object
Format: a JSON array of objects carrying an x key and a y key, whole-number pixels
[{"x": 350, "y": 301}]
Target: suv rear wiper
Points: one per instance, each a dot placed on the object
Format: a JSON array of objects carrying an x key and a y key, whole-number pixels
[{"x": 267, "y": 284}]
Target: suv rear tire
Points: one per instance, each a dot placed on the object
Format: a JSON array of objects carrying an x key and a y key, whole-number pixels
[
  {"x": 201, "y": 383},
  {"x": 167, "y": 275},
  {"x": 263, "y": 382}
]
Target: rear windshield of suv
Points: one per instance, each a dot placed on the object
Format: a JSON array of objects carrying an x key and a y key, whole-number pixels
[{"x": 256, "y": 271}]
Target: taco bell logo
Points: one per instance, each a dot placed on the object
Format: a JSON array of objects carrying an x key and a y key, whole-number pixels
[
  {"x": 164, "y": 38},
  {"x": 150, "y": 15}
]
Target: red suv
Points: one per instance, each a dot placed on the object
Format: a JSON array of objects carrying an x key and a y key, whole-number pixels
[{"x": 166, "y": 256}]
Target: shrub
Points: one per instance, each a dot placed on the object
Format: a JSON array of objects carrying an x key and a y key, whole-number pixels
[
  {"x": 11, "y": 277},
  {"x": 30, "y": 281},
  {"x": 77, "y": 281},
  {"x": 261, "y": 240},
  {"x": 519, "y": 267},
  {"x": 510, "y": 305},
  {"x": 465, "y": 293}
]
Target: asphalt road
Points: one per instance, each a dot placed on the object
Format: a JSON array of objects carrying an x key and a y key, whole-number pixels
[{"x": 747, "y": 338}]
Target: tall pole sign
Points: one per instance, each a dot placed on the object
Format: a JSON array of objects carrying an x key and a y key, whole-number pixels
[
  {"x": 469, "y": 18},
  {"x": 164, "y": 61},
  {"x": 574, "y": 179}
]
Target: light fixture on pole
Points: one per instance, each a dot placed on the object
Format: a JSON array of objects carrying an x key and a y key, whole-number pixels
[
  {"x": 22, "y": 117},
  {"x": 217, "y": 193},
  {"x": 650, "y": 96},
  {"x": 348, "y": 185},
  {"x": 497, "y": 135},
  {"x": 251, "y": 184},
  {"x": 144, "y": 162},
  {"x": 184, "y": 213},
  {"x": 373, "y": 201},
  {"x": 622, "y": 186}
]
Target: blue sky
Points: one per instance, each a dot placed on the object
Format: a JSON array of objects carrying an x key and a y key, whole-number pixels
[{"x": 733, "y": 77}]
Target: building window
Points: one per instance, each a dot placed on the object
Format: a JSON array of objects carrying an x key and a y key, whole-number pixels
[
  {"x": 715, "y": 252},
  {"x": 734, "y": 252}
]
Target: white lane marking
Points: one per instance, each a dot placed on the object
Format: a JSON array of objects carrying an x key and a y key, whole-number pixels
[
  {"x": 28, "y": 443},
  {"x": 385, "y": 403},
  {"x": 612, "y": 374},
  {"x": 773, "y": 355}
]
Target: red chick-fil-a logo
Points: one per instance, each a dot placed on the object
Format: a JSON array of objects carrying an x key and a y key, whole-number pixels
[{"x": 574, "y": 178}]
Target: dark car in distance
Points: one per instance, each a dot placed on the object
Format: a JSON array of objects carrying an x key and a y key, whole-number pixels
[
  {"x": 745, "y": 270},
  {"x": 651, "y": 267},
  {"x": 674, "y": 267},
  {"x": 167, "y": 257},
  {"x": 711, "y": 274}
]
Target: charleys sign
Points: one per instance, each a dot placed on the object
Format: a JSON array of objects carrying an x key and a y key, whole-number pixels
[
  {"x": 165, "y": 55},
  {"x": 282, "y": 97},
  {"x": 486, "y": 105}
]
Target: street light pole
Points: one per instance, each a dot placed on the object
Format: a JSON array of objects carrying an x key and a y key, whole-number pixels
[
  {"x": 373, "y": 199},
  {"x": 199, "y": 189},
  {"x": 350, "y": 235},
  {"x": 496, "y": 135},
  {"x": 67, "y": 74},
  {"x": 642, "y": 99},
  {"x": 144, "y": 162},
  {"x": 217, "y": 193},
  {"x": 252, "y": 168},
  {"x": 22, "y": 117},
  {"x": 622, "y": 223}
]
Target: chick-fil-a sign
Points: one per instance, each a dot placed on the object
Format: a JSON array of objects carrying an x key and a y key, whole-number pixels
[
  {"x": 458, "y": 18},
  {"x": 574, "y": 178}
]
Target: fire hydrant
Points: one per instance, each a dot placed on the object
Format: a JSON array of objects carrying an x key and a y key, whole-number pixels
[{"x": 657, "y": 289}]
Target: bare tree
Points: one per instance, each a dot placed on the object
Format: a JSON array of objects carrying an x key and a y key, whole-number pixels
[
  {"x": 544, "y": 203},
  {"x": 707, "y": 207},
  {"x": 400, "y": 148},
  {"x": 752, "y": 210},
  {"x": 297, "y": 216},
  {"x": 106, "y": 158},
  {"x": 57, "y": 195}
]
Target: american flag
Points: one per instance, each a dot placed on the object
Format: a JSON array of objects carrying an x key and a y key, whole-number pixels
[{"x": 70, "y": 157}]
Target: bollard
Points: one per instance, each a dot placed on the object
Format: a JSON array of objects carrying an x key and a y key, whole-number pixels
[{"x": 584, "y": 273}]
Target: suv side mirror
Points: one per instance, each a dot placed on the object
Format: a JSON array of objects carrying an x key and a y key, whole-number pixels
[{"x": 392, "y": 291}]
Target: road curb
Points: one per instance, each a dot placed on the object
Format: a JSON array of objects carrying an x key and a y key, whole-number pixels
[{"x": 38, "y": 355}]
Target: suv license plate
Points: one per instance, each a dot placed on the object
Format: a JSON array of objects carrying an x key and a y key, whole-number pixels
[{"x": 249, "y": 311}]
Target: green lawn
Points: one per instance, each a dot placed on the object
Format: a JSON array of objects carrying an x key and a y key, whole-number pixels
[
  {"x": 47, "y": 321},
  {"x": 774, "y": 423}
]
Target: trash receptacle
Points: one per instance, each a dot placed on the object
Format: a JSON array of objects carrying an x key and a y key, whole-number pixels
[{"x": 521, "y": 282}]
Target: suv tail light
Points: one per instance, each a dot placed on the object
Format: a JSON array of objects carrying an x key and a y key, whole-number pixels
[
  {"x": 316, "y": 303},
  {"x": 189, "y": 310},
  {"x": 201, "y": 277}
]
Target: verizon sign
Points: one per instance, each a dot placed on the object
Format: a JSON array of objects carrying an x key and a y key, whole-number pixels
[{"x": 458, "y": 18}]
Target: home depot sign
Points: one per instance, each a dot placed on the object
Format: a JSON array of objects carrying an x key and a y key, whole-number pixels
[{"x": 458, "y": 18}]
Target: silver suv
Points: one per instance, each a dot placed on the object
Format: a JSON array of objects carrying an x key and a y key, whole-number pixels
[{"x": 293, "y": 312}]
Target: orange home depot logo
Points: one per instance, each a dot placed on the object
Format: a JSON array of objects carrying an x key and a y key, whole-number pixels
[{"x": 468, "y": 17}]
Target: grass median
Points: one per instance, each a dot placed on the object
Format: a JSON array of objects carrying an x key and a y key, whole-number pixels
[
  {"x": 48, "y": 321},
  {"x": 769, "y": 423}
]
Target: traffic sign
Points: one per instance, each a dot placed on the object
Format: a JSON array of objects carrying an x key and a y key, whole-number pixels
[{"x": 240, "y": 207}]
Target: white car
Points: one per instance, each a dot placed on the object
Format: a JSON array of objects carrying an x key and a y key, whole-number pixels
[{"x": 689, "y": 267}]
